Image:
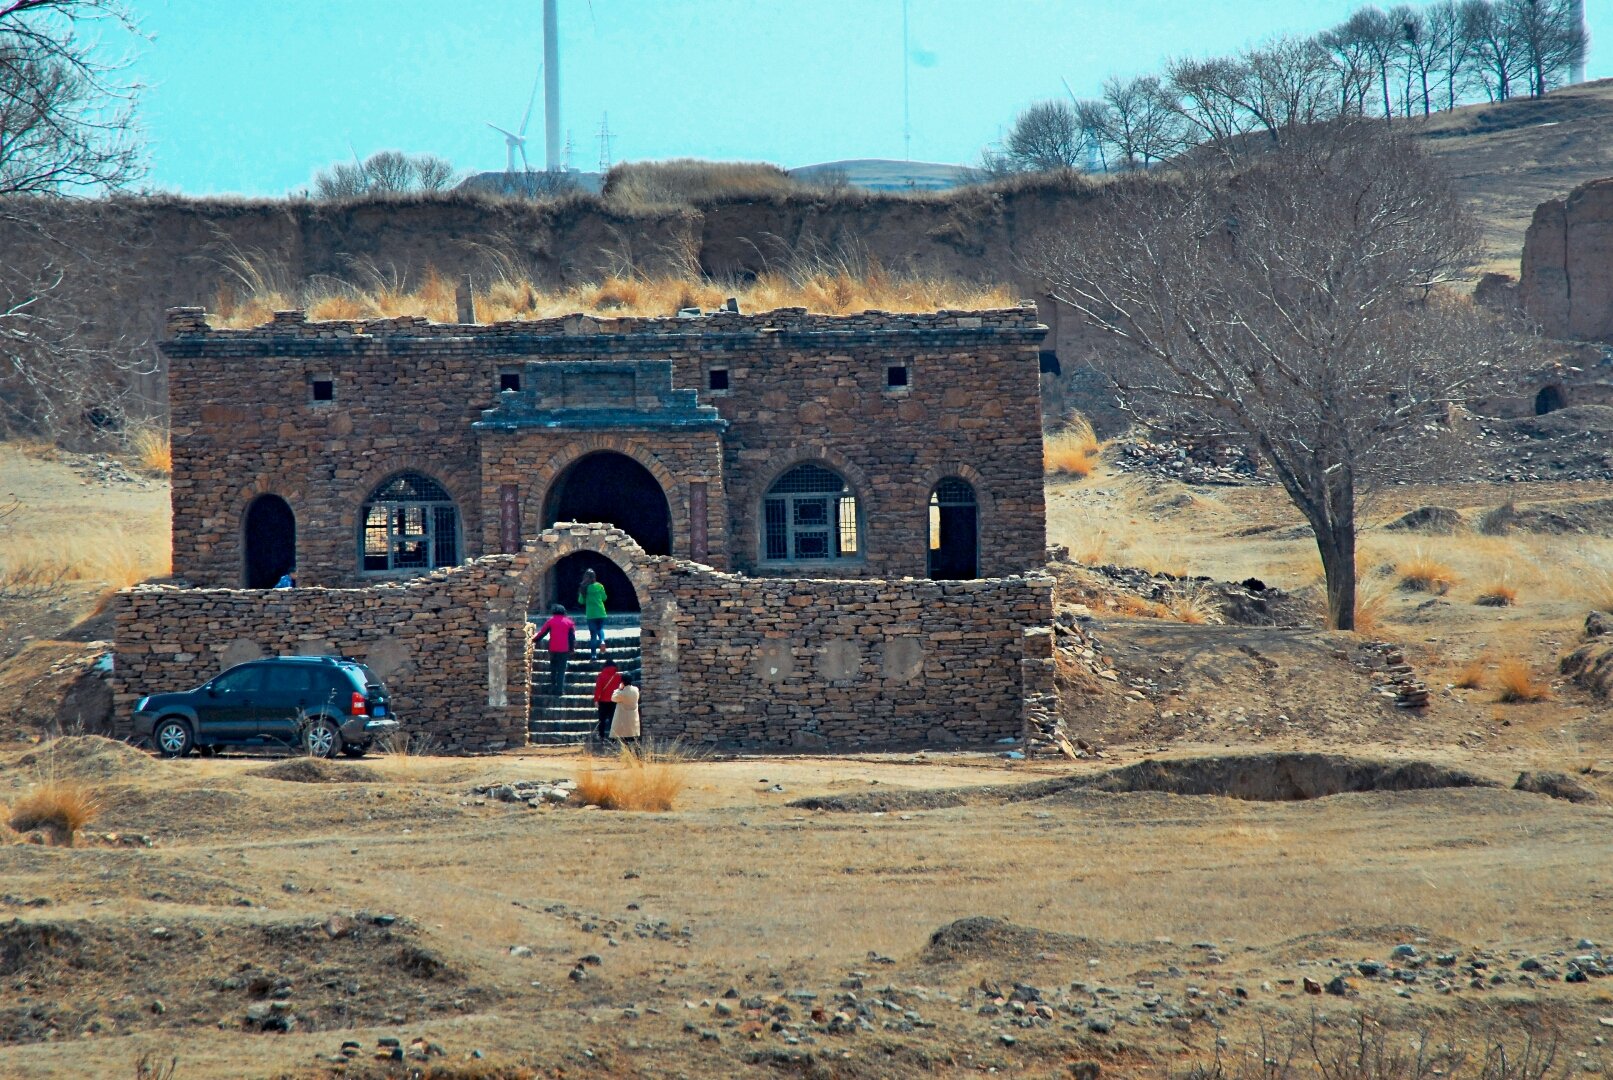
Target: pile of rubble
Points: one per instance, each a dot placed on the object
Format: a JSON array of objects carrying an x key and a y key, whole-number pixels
[
  {"x": 1190, "y": 462},
  {"x": 1392, "y": 677},
  {"x": 533, "y": 793},
  {"x": 94, "y": 468}
]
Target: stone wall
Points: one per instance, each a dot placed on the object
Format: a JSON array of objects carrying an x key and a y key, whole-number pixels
[
  {"x": 1567, "y": 277},
  {"x": 761, "y": 662},
  {"x": 800, "y": 388},
  {"x": 428, "y": 639}
]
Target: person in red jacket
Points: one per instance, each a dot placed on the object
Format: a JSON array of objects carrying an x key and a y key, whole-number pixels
[{"x": 604, "y": 686}]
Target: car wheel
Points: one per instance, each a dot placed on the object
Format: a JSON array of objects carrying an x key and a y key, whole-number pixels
[
  {"x": 173, "y": 738},
  {"x": 321, "y": 739},
  {"x": 355, "y": 749}
]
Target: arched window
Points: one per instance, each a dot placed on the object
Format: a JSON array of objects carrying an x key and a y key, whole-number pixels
[
  {"x": 409, "y": 525},
  {"x": 954, "y": 531},
  {"x": 809, "y": 515}
]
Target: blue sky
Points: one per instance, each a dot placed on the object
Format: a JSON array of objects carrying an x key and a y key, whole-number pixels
[{"x": 251, "y": 96}]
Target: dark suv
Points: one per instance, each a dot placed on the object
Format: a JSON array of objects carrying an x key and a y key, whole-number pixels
[{"x": 323, "y": 704}]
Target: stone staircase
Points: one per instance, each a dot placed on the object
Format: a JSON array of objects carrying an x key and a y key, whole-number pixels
[{"x": 572, "y": 718}]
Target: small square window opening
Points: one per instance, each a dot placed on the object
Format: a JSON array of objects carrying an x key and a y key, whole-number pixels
[
  {"x": 717, "y": 378},
  {"x": 324, "y": 390},
  {"x": 896, "y": 376},
  {"x": 509, "y": 380}
]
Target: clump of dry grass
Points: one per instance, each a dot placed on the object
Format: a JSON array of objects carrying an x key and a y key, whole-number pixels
[
  {"x": 1073, "y": 450},
  {"x": 60, "y": 807},
  {"x": 1518, "y": 685},
  {"x": 152, "y": 450},
  {"x": 1371, "y": 606},
  {"x": 1499, "y": 594},
  {"x": 647, "y": 777},
  {"x": 1470, "y": 676},
  {"x": 101, "y": 554},
  {"x": 1422, "y": 573},
  {"x": 404, "y": 754}
]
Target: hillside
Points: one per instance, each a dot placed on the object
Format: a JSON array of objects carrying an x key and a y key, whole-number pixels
[{"x": 1511, "y": 157}]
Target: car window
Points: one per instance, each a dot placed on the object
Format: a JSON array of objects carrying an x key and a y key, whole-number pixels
[
  {"x": 289, "y": 679},
  {"x": 369, "y": 677},
  {"x": 239, "y": 680}
]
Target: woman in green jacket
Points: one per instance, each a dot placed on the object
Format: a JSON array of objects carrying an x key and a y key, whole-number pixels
[{"x": 592, "y": 598}]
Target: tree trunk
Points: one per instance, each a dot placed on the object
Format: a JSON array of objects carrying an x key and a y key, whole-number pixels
[{"x": 1336, "y": 544}]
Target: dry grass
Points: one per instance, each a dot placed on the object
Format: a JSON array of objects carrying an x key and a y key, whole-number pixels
[
  {"x": 152, "y": 450},
  {"x": 87, "y": 553},
  {"x": 685, "y": 181},
  {"x": 647, "y": 777},
  {"x": 1498, "y": 594},
  {"x": 1470, "y": 676},
  {"x": 59, "y": 807},
  {"x": 1371, "y": 606},
  {"x": 1422, "y": 573},
  {"x": 825, "y": 282},
  {"x": 1517, "y": 684},
  {"x": 1072, "y": 451},
  {"x": 404, "y": 755}
]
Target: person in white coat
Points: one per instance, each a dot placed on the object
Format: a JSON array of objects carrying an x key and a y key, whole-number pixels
[{"x": 624, "y": 726}]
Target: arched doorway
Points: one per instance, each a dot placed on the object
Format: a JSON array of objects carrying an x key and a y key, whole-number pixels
[
  {"x": 561, "y": 707},
  {"x": 954, "y": 531},
  {"x": 269, "y": 537},
  {"x": 1549, "y": 400},
  {"x": 613, "y": 489},
  {"x": 566, "y": 577}
]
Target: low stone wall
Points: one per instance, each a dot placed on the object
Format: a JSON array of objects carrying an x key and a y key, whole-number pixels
[
  {"x": 427, "y": 638},
  {"x": 727, "y": 659},
  {"x": 815, "y": 663}
]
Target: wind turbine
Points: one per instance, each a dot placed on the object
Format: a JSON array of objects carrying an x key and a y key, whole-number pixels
[{"x": 516, "y": 141}]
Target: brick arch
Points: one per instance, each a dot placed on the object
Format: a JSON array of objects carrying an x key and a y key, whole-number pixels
[
  {"x": 465, "y": 494},
  {"x": 539, "y": 556},
  {"x": 657, "y": 610},
  {"x": 984, "y": 502},
  {"x": 548, "y": 473},
  {"x": 291, "y": 494},
  {"x": 748, "y": 509},
  {"x": 785, "y": 460}
]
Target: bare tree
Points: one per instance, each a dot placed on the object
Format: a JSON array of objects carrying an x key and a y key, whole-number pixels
[
  {"x": 1289, "y": 85},
  {"x": 1550, "y": 38},
  {"x": 1495, "y": 44},
  {"x": 1295, "y": 305},
  {"x": 1447, "y": 36},
  {"x": 383, "y": 173},
  {"x": 66, "y": 129},
  {"x": 1046, "y": 137},
  {"x": 1142, "y": 124},
  {"x": 1097, "y": 121},
  {"x": 1209, "y": 96},
  {"x": 1380, "y": 41}
]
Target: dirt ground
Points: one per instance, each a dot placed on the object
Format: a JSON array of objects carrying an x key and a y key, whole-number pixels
[{"x": 893, "y": 914}]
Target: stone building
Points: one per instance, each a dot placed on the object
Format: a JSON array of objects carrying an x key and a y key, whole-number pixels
[{"x": 747, "y": 472}]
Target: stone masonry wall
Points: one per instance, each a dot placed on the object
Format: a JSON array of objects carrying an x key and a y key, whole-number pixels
[
  {"x": 801, "y": 387},
  {"x": 428, "y": 639},
  {"x": 764, "y": 662}
]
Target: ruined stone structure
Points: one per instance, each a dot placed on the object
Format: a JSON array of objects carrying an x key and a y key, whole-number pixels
[{"x": 831, "y": 528}]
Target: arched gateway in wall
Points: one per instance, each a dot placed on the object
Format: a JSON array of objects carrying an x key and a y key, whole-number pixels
[{"x": 640, "y": 641}]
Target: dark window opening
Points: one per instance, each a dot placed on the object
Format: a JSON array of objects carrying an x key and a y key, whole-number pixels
[
  {"x": 270, "y": 535},
  {"x": 408, "y": 524},
  {"x": 324, "y": 390},
  {"x": 954, "y": 531},
  {"x": 509, "y": 380},
  {"x": 613, "y": 489},
  {"x": 809, "y": 515},
  {"x": 1549, "y": 400},
  {"x": 717, "y": 378},
  {"x": 1048, "y": 362},
  {"x": 896, "y": 376}
]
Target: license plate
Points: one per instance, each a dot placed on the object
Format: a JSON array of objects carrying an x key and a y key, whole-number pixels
[{"x": 380, "y": 710}]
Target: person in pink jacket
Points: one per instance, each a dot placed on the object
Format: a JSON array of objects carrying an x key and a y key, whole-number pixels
[{"x": 561, "y": 634}]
